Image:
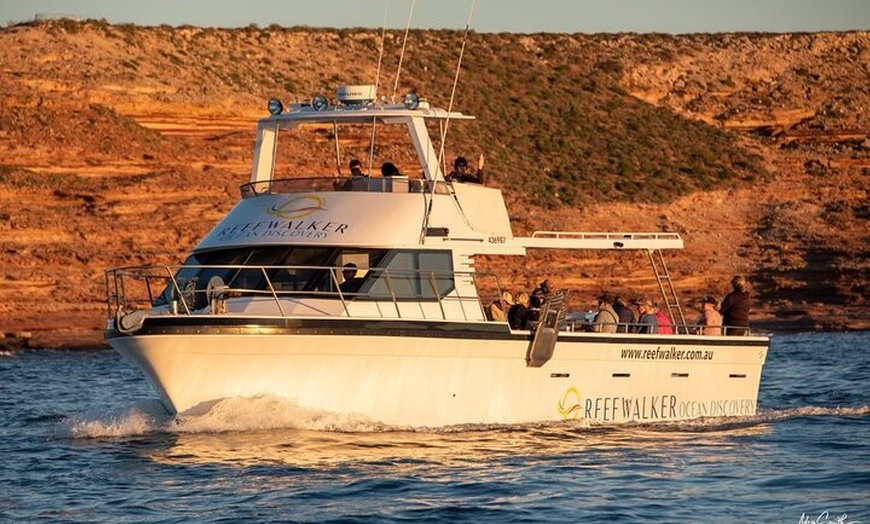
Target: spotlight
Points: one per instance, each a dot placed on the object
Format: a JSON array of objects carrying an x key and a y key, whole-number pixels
[
  {"x": 411, "y": 101},
  {"x": 320, "y": 103},
  {"x": 275, "y": 106}
]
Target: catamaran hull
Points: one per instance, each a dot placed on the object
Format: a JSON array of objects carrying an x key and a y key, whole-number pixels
[{"x": 442, "y": 380}]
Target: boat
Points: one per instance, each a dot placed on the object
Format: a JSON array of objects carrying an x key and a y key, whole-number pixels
[{"x": 263, "y": 305}]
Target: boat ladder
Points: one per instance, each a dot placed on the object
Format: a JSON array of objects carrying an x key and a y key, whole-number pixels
[{"x": 669, "y": 294}]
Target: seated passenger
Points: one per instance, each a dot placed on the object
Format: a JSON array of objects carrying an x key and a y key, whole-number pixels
[
  {"x": 357, "y": 178},
  {"x": 351, "y": 283},
  {"x": 627, "y": 317},
  {"x": 356, "y": 169},
  {"x": 498, "y": 309},
  {"x": 606, "y": 319},
  {"x": 710, "y": 320},
  {"x": 666, "y": 327},
  {"x": 389, "y": 169},
  {"x": 541, "y": 294},
  {"x": 647, "y": 322},
  {"x": 519, "y": 313}
]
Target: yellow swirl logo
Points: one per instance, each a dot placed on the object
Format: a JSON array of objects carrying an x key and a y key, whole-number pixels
[
  {"x": 569, "y": 406},
  {"x": 296, "y": 208}
]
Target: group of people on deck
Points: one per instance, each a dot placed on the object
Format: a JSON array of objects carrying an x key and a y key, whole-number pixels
[
  {"x": 523, "y": 310},
  {"x": 460, "y": 171},
  {"x": 616, "y": 314},
  {"x": 731, "y": 317}
]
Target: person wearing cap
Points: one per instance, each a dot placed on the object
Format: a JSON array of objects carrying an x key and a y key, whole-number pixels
[
  {"x": 605, "y": 319},
  {"x": 356, "y": 169},
  {"x": 647, "y": 321},
  {"x": 710, "y": 320},
  {"x": 735, "y": 308},
  {"x": 498, "y": 309},
  {"x": 460, "y": 171}
]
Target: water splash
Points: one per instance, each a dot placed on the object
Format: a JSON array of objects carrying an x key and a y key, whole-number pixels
[
  {"x": 142, "y": 418},
  {"x": 265, "y": 413}
]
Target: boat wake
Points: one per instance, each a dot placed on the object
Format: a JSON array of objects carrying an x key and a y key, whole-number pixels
[{"x": 265, "y": 413}]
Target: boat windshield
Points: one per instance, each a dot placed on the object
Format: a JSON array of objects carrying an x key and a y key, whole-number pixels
[{"x": 379, "y": 274}]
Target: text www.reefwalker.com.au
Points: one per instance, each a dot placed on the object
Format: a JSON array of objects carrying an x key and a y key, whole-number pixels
[{"x": 826, "y": 518}]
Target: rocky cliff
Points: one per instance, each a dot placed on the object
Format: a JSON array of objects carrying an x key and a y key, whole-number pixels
[{"x": 123, "y": 145}]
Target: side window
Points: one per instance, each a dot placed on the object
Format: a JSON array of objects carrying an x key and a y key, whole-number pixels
[
  {"x": 253, "y": 278},
  {"x": 413, "y": 275}
]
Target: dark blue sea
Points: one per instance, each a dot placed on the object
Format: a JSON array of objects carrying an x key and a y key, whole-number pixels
[{"x": 83, "y": 439}]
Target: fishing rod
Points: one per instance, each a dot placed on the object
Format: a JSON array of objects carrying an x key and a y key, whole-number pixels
[
  {"x": 402, "y": 54},
  {"x": 446, "y": 126},
  {"x": 378, "y": 83}
]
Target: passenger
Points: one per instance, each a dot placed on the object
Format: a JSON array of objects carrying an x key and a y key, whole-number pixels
[
  {"x": 357, "y": 178},
  {"x": 541, "y": 294},
  {"x": 710, "y": 320},
  {"x": 606, "y": 319},
  {"x": 666, "y": 327},
  {"x": 460, "y": 171},
  {"x": 389, "y": 169},
  {"x": 647, "y": 322},
  {"x": 356, "y": 169},
  {"x": 518, "y": 314},
  {"x": 735, "y": 308},
  {"x": 499, "y": 308},
  {"x": 627, "y": 316},
  {"x": 351, "y": 283}
]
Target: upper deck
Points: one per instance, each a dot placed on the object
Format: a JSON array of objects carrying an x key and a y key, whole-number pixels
[{"x": 420, "y": 211}]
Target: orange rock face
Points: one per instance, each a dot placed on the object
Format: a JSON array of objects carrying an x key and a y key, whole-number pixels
[{"x": 122, "y": 145}]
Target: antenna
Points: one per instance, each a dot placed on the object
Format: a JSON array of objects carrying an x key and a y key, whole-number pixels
[
  {"x": 446, "y": 125},
  {"x": 377, "y": 83},
  {"x": 453, "y": 91},
  {"x": 402, "y": 54}
]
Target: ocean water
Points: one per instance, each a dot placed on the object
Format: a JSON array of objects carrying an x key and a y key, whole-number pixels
[{"x": 83, "y": 439}]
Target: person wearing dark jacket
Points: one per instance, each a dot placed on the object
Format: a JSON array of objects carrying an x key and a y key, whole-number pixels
[
  {"x": 460, "y": 172},
  {"x": 518, "y": 314},
  {"x": 627, "y": 317},
  {"x": 735, "y": 308}
]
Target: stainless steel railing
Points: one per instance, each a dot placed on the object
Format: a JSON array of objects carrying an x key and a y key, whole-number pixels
[
  {"x": 357, "y": 184},
  {"x": 206, "y": 289}
]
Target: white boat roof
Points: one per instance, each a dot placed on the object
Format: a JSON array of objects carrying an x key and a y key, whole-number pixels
[
  {"x": 304, "y": 113},
  {"x": 422, "y": 213}
]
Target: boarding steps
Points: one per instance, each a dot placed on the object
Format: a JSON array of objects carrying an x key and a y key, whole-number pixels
[{"x": 669, "y": 294}]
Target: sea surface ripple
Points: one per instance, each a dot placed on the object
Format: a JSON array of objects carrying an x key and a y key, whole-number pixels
[{"x": 85, "y": 440}]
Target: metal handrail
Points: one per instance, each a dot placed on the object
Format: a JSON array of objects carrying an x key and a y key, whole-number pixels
[
  {"x": 344, "y": 184},
  {"x": 635, "y": 328},
  {"x": 121, "y": 290}
]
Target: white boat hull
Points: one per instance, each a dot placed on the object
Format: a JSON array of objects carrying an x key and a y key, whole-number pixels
[{"x": 437, "y": 381}]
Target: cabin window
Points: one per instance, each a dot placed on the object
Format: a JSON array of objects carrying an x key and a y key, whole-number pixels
[
  {"x": 412, "y": 275},
  {"x": 297, "y": 269},
  {"x": 400, "y": 274},
  {"x": 193, "y": 277}
]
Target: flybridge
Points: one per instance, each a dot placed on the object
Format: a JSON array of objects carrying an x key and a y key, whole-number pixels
[{"x": 353, "y": 105}]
